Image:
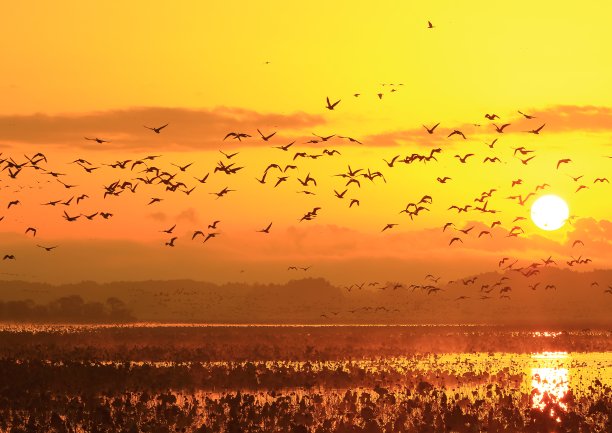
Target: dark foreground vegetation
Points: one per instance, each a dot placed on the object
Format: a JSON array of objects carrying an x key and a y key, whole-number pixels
[{"x": 302, "y": 380}]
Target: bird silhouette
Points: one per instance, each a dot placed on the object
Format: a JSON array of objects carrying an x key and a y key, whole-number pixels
[
  {"x": 210, "y": 236},
  {"x": 447, "y": 225},
  {"x": 527, "y": 116},
  {"x": 525, "y": 161},
  {"x": 494, "y": 159},
  {"x": 182, "y": 168},
  {"x": 351, "y": 139},
  {"x": 331, "y": 106},
  {"x": 285, "y": 147},
  {"x": 70, "y": 218},
  {"x": 170, "y": 230},
  {"x": 158, "y": 129},
  {"x": 223, "y": 192},
  {"x": 463, "y": 159},
  {"x": 340, "y": 194},
  {"x": 432, "y": 129},
  {"x": 500, "y": 129},
  {"x": 537, "y": 131},
  {"x": 280, "y": 180},
  {"x": 563, "y": 161},
  {"x": 266, "y": 230},
  {"x": 236, "y": 135},
  {"x": 581, "y": 187},
  {"x": 97, "y": 140},
  {"x": 457, "y": 132},
  {"x": 388, "y": 226},
  {"x": 266, "y": 137}
]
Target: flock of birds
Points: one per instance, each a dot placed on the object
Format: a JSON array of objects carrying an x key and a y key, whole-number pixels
[
  {"x": 180, "y": 179},
  {"x": 145, "y": 171}
]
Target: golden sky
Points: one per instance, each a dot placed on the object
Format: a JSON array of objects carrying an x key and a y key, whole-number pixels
[{"x": 74, "y": 70}]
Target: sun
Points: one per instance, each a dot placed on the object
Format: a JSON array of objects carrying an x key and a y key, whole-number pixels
[{"x": 549, "y": 212}]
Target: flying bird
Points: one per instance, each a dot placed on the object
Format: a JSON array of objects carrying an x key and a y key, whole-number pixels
[
  {"x": 525, "y": 161},
  {"x": 432, "y": 129},
  {"x": 500, "y": 129},
  {"x": 182, "y": 168},
  {"x": 266, "y": 230},
  {"x": 563, "y": 161},
  {"x": 169, "y": 231},
  {"x": 97, "y": 140},
  {"x": 457, "y": 132},
  {"x": 537, "y": 131},
  {"x": 203, "y": 180},
  {"x": 527, "y": 116},
  {"x": 158, "y": 129},
  {"x": 285, "y": 147},
  {"x": 210, "y": 235},
  {"x": 230, "y": 155},
  {"x": 489, "y": 159},
  {"x": 388, "y": 226},
  {"x": 236, "y": 135},
  {"x": 581, "y": 187},
  {"x": 351, "y": 139},
  {"x": 331, "y": 106},
  {"x": 463, "y": 159},
  {"x": 266, "y": 137}
]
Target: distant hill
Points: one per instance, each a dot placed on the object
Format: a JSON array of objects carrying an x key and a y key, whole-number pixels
[{"x": 577, "y": 299}]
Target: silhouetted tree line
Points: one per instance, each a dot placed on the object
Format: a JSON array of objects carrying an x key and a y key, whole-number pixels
[{"x": 71, "y": 309}]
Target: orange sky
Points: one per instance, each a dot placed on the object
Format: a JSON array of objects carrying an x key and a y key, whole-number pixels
[{"x": 79, "y": 71}]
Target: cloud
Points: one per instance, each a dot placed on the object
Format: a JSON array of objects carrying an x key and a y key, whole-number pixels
[
  {"x": 188, "y": 129},
  {"x": 558, "y": 118},
  {"x": 337, "y": 253},
  {"x": 189, "y": 215},
  {"x": 561, "y": 118},
  {"x": 158, "y": 216}
]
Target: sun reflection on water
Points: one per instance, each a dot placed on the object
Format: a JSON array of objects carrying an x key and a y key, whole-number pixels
[{"x": 549, "y": 382}]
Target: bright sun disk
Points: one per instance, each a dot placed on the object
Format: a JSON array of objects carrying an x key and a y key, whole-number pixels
[{"x": 549, "y": 212}]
